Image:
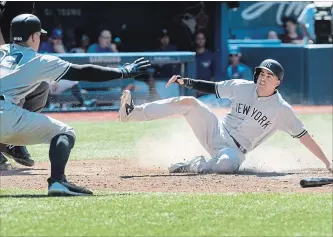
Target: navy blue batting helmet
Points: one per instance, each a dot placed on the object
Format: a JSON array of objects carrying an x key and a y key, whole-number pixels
[
  {"x": 270, "y": 65},
  {"x": 24, "y": 25}
]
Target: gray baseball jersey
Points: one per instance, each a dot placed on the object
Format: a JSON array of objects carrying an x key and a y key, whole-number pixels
[
  {"x": 253, "y": 119},
  {"x": 21, "y": 71}
]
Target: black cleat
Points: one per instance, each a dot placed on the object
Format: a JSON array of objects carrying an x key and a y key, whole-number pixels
[
  {"x": 64, "y": 188},
  {"x": 20, "y": 154}
]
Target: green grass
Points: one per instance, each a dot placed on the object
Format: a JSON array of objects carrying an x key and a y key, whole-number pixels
[
  {"x": 104, "y": 140},
  {"x": 137, "y": 214}
]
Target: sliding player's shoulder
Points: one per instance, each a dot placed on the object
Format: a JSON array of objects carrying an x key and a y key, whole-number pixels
[
  {"x": 284, "y": 106},
  {"x": 243, "y": 82},
  {"x": 237, "y": 82}
]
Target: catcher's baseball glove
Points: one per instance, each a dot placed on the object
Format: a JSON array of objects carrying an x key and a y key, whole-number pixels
[{"x": 138, "y": 67}]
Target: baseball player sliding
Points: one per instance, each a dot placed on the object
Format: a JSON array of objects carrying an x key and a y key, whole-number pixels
[
  {"x": 257, "y": 112},
  {"x": 22, "y": 70}
]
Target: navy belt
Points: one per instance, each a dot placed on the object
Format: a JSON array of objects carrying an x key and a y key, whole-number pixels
[{"x": 242, "y": 149}]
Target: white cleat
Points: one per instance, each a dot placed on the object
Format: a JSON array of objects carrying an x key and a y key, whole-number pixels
[
  {"x": 189, "y": 166},
  {"x": 181, "y": 167},
  {"x": 126, "y": 106}
]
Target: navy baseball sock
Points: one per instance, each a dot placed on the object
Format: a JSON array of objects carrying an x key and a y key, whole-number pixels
[{"x": 60, "y": 149}]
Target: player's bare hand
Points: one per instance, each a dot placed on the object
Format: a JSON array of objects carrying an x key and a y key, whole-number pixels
[{"x": 175, "y": 79}]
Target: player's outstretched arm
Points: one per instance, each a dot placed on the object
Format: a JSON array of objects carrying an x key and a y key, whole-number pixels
[
  {"x": 95, "y": 73},
  {"x": 311, "y": 144},
  {"x": 207, "y": 87}
]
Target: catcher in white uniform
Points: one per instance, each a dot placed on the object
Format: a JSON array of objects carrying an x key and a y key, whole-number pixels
[{"x": 257, "y": 112}]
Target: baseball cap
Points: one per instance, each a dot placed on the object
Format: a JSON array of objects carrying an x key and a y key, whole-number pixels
[
  {"x": 233, "y": 49},
  {"x": 22, "y": 26},
  {"x": 56, "y": 33}
]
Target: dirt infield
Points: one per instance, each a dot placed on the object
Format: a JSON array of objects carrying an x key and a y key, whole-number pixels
[{"x": 127, "y": 175}]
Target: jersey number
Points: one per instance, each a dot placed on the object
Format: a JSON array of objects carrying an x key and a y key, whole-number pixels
[{"x": 9, "y": 62}]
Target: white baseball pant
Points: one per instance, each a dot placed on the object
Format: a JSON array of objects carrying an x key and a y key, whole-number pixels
[
  {"x": 226, "y": 157},
  {"x": 22, "y": 127}
]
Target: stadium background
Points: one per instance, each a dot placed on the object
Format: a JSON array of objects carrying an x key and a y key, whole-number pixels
[{"x": 136, "y": 27}]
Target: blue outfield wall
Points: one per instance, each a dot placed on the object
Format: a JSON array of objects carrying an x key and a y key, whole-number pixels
[
  {"x": 318, "y": 68},
  {"x": 308, "y": 69},
  {"x": 117, "y": 59}
]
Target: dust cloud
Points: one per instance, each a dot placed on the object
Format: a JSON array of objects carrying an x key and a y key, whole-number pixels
[{"x": 177, "y": 143}]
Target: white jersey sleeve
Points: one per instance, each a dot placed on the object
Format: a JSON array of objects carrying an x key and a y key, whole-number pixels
[
  {"x": 52, "y": 68},
  {"x": 226, "y": 89},
  {"x": 291, "y": 124}
]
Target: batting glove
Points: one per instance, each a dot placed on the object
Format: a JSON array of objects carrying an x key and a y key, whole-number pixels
[{"x": 138, "y": 67}]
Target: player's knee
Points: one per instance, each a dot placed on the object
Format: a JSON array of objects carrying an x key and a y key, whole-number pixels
[
  {"x": 227, "y": 164},
  {"x": 189, "y": 101},
  {"x": 67, "y": 130},
  {"x": 63, "y": 141},
  {"x": 70, "y": 131}
]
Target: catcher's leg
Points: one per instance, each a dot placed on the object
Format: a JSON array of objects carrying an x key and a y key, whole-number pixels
[
  {"x": 33, "y": 102},
  {"x": 29, "y": 128},
  {"x": 202, "y": 120}
]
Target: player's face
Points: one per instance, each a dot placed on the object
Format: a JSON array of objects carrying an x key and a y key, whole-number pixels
[{"x": 267, "y": 81}]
